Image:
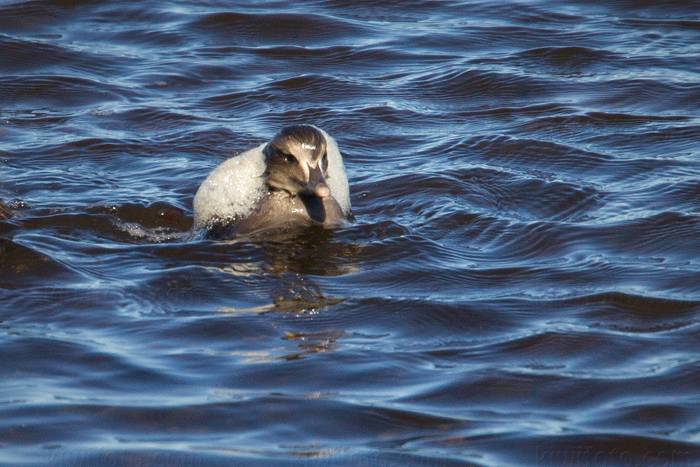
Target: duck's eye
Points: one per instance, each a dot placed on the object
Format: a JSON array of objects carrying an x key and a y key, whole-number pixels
[{"x": 289, "y": 158}]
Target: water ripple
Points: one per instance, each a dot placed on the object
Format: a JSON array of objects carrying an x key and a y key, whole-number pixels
[{"x": 520, "y": 285}]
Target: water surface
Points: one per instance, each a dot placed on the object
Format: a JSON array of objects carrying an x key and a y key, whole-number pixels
[{"x": 521, "y": 287}]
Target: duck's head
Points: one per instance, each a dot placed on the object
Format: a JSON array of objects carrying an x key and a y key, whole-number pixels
[{"x": 297, "y": 161}]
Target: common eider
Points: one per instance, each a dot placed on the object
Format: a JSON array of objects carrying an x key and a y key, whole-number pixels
[{"x": 297, "y": 179}]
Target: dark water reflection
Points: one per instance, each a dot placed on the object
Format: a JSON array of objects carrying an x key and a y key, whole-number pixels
[{"x": 521, "y": 287}]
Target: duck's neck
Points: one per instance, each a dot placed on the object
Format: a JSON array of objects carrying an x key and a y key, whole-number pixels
[
  {"x": 278, "y": 193},
  {"x": 309, "y": 205}
]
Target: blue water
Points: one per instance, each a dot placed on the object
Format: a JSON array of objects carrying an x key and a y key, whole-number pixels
[{"x": 521, "y": 286}]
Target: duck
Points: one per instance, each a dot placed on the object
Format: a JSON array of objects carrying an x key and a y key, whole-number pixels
[{"x": 296, "y": 180}]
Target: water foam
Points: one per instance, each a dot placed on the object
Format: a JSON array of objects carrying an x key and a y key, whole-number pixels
[{"x": 232, "y": 189}]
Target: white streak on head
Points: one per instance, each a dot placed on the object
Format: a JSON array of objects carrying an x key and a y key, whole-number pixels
[
  {"x": 313, "y": 164},
  {"x": 305, "y": 169}
]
